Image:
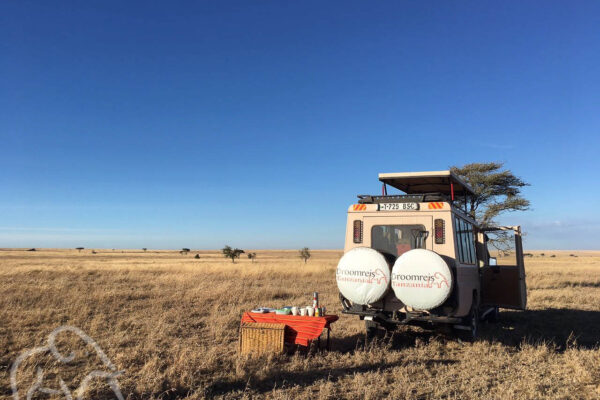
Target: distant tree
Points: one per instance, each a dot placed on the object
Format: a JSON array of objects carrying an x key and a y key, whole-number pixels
[
  {"x": 32, "y": 249},
  {"x": 144, "y": 248},
  {"x": 185, "y": 250},
  {"x": 228, "y": 252},
  {"x": 197, "y": 256},
  {"x": 304, "y": 254},
  {"x": 93, "y": 251},
  {"x": 251, "y": 256},
  {"x": 79, "y": 248}
]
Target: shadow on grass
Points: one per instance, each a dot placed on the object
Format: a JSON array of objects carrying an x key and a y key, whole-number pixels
[
  {"x": 561, "y": 327},
  {"x": 401, "y": 338},
  {"x": 305, "y": 378}
]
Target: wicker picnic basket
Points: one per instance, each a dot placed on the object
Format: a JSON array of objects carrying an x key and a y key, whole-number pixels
[{"x": 261, "y": 338}]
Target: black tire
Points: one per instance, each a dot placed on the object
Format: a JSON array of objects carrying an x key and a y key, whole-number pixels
[
  {"x": 372, "y": 330},
  {"x": 491, "y": 314},
  {"x": 494, "y": 315},
  {"x": 346, "y": 304},
  {"x": 472, "y": 321}
]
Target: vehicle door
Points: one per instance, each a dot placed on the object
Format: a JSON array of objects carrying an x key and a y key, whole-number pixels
[{"x": 503, "y": 279}]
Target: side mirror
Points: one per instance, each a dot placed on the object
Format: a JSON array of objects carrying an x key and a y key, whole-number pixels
[{"x": 493, "y": 261}]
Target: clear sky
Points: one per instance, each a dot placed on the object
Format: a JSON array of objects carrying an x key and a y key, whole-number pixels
[{"x": 255, "y": 123}]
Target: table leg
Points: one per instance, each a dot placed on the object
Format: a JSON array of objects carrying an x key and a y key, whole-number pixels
[{"x": 328, "y": 344}]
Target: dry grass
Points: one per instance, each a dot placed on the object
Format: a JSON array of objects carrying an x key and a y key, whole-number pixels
[{"x": 171, "y": 322}]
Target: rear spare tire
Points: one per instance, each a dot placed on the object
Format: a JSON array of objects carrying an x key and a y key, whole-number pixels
[
  {"x": 363, "y": 275},
  {"x": 421, "y": 279}
]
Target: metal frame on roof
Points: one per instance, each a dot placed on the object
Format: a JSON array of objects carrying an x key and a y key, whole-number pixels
[{"x": 444, "y": 182}]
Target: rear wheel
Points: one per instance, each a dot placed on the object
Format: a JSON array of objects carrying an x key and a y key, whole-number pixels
[
  {"x": 472, "y": 322},
  {"x": 491, "y": 314},
  {"x": 495, "y": 315},
  {"x": 381, "y": 330},
  {"x": 371, "y": 329}
]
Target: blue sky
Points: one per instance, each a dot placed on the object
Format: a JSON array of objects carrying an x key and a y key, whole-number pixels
[{"x": 255, "y": 124}]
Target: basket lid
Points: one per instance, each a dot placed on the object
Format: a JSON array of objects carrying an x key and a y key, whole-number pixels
[{"x": 263, "y": 325}]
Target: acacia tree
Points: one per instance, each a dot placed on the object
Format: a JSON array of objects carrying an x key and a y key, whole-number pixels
[
  {"x": 496, "y": 191},
  {"x": 79, "y": 248},
  {"x": 228, "y": 252},
  {"x": 304, "y": 254}
]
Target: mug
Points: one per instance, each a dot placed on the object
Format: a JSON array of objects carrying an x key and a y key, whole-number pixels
[
  {"x": 303, "y": 311},
  {"x": 324, "y": 310},
  {"x": 310, "y": 311},
  {"x": 294, "y": 310}
]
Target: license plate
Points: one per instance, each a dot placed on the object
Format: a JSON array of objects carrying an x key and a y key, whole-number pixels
[{"x": 398, "y": 206}]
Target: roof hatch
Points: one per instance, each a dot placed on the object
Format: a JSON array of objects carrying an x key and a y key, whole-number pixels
[{"x": 444, "y": 182}]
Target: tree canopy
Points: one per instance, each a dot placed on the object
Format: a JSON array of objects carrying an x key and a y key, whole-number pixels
[
  {"x": 304, "y": 254},
  {"x": 228, "y": 252},
  {"x": 497, "y": 190}
]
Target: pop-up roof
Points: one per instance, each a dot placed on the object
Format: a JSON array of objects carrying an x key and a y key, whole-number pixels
[{"x": 444, "y": 182}]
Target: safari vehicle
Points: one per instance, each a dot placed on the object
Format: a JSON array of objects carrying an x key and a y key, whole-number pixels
[{"x": 418, "y": 258}]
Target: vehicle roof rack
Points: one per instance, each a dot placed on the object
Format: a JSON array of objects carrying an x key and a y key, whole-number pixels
[{"x": 402, "y": 198}]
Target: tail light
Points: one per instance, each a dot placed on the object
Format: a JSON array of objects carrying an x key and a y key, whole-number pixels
[
  {"x": 358, "y": 231},
  {"x": 440, "y": 232}
]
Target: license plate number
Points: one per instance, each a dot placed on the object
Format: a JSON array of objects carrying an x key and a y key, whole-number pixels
[{"x": 398, "y": 206}]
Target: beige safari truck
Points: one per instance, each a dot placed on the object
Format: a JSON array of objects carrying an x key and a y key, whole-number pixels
[{"x": 418, "y": 258}]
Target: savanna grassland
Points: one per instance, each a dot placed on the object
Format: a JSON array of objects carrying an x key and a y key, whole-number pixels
[{"x": 170, "y": 323}]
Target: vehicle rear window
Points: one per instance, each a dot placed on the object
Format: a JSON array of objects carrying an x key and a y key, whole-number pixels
[{"x": 398, "y": 239}]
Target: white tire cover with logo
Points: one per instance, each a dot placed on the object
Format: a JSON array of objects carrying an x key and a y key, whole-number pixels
[
  {"x": 421, "y": 279},
  {"x": 363, "y": 275}
]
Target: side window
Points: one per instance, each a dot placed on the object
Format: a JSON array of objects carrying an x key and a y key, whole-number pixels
[
  {"x": 471, "y": 240},
  {"x": 464, "y": 241},
  {"x": 459, "y": 236},
  {"x": 459, "y": 256},
  {"x": 501, "y": 245}
]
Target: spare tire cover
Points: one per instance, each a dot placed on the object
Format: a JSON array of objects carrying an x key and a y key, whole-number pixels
[
  {"x": 421, "y": 279},
  {"x": 363, "y": 275}
]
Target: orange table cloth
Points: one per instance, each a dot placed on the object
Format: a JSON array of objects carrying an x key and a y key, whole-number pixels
[{"x": 299, "y": 330}]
